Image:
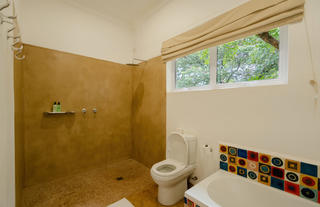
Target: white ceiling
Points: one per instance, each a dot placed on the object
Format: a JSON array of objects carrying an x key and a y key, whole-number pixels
[{"x": 128, "y": 11}]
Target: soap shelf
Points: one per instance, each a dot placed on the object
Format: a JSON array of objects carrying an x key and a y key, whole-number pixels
[{"x": 59, "y": 113}]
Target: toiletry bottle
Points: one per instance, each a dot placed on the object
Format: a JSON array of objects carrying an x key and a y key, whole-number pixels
[
  {"x": 54, "y": 107},
  {"x": 59, "y": 107}
]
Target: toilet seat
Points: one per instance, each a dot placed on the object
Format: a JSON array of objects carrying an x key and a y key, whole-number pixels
[{"x": 177, "y": 167}]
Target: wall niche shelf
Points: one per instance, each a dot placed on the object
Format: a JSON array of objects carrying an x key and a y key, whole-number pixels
[{"x": 59, "y": 113}]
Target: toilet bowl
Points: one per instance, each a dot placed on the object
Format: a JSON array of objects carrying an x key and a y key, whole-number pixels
[{"x": 171, "y": 174}]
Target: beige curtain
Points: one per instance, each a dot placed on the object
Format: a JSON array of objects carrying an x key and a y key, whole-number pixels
[{"x": 250, "y": 18}]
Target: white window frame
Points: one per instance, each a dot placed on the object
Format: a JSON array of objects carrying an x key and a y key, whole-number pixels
[{"x": 282, "y": 79}]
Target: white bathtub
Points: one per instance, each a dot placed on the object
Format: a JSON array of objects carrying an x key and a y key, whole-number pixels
[{"x": 223, "y": 189}]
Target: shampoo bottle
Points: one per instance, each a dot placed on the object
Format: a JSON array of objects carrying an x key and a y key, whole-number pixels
[
  {"x": 59, "y": 107},
  {"x": 54, "y": 107}
]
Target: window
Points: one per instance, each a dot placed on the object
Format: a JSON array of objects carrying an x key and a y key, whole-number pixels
[{"x": 256, "y": 60}]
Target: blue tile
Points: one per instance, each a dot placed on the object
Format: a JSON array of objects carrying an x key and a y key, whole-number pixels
[
  {"x": 242, "y": 171},
  {"x": 224, "y": 166},
  {"x": 242, "y": 153},
  {"x": 277, "y": 183},
  {"x": 185, "y": 200},
  {"x": 309, "y": 169}
]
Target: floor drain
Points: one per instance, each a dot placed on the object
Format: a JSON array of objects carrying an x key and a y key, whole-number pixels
[{"x": 119, "y": 178}]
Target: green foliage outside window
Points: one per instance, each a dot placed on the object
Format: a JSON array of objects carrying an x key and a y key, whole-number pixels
[{"x": 242, "y": 60}]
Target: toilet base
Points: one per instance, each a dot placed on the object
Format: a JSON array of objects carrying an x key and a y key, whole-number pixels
[{"x": 169, "y": 195}]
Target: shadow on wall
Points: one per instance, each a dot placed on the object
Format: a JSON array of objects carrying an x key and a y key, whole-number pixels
[
  {"x": 149, "y": 112},
  {"x": 137, "y": 99}
]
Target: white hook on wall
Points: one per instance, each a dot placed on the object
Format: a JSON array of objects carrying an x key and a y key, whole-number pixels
[{"x": 19, "y": 55}]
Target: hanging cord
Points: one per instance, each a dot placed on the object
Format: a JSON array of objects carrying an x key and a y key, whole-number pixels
[
  {"x": 17, "y": 45},
  {"x": 314, "y": 83}
]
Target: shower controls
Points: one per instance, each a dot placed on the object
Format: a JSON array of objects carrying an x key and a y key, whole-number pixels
[
  {"x": 84, "y": 110},
  {"x": 94, "y": 110}
]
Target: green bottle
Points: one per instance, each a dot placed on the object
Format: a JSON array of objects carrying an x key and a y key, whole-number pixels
[{"x": 59, "y": 107}]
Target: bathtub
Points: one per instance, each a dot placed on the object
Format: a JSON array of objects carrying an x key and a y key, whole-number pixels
[{"x": 223, "y": 189}]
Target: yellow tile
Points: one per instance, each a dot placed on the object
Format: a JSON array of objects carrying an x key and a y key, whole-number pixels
[
  {"x": 309, "y": 181},
  {"x": 241, "y": 162},
  {"x": 264, "y": 158},
  {"x": 264, "y": 179},
  {"x": 232, "y": 168},
  {"x": 223, "y": 149},
  {"x": 292, "y": 165}
]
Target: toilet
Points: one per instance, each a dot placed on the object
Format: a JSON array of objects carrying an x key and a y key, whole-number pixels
[{"x": 171, "y": 174}]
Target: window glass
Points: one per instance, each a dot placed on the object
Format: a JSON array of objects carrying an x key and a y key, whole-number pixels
[
  {"x": 249, "y": 59},
  {"x": 193, "y": 70}
]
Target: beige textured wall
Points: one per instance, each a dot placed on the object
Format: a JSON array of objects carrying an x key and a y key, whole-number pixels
[
  {"x": 149, "y": 112},
  {"x": 56, "y": 146}
]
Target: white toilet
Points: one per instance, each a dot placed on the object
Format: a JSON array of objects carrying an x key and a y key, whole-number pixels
[{"x": 171, "y": 174}]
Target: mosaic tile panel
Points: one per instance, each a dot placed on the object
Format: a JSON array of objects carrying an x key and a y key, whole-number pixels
[{"x": 296, "y": 177}]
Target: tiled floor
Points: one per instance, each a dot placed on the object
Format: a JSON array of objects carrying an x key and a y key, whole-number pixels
[{"x": 97, "y": 188}]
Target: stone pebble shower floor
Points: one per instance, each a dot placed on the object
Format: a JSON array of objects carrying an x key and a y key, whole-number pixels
[{"x": 97, "y": 188}]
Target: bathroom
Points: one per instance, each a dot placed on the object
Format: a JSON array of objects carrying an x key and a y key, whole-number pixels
[{"x": 100, "y": 106}]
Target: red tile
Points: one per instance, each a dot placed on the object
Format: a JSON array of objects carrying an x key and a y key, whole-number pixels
[
  {"x": 277, "y": 172},
  {"x": 253, "y": 156},
  {"x": 292, "y": 188},
  {"x": 318, "y": 196}
]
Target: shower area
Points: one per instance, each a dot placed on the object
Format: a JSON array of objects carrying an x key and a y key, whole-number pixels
[{"x": 100, "y": 151}]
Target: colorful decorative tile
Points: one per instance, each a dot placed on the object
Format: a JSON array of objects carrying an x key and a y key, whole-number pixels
[
  {"x": 292, "y": 188},
  {"x": 232, "y": 151},
  {"x": 241, "y": 162},
  {"x": 190, "y": 203},
  {"x": 292, "y": 176},
  {"x": 242, "y": 153},
  {"x": 292, "y": 165},
  {"x": 223, "y": 157},
  {"x": 185, "y": 200},
  {"x": 308, "y": 193},
  {"x": 264, "y": 158},
  {"x": 242, "y": 172},
  {"x": 224, "y": 166},
  {"x": 232, "y": 160},
  {"x": 295, "y": 177},
  {"x": 264, "y": 179},
  {"x": 277, "y": 162},
  {"x": 265, "y": 169},
  {"x": 223, "y": 149},
  {"x": 277, "y": 183},
  {"x": 309, "y": 181},
  {"x": 309, "y": 169},
  {"x": 251, "y": 165},
  {"x": 253, "y": 156},
  {"x": 252, "y": 175},
  {"x": 277, "y": 172},
  {"x": 232, "y": 169}
]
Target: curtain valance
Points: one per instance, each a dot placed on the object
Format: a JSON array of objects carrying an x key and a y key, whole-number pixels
[{"x": 253, "y": 17}]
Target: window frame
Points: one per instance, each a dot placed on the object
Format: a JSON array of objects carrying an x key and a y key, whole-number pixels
[{"x": 213, "y": 85}]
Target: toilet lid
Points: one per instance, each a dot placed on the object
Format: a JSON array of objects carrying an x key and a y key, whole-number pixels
[{"x": 177, "y": 148}]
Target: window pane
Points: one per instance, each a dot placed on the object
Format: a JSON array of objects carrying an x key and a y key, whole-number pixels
[
  {"x": 193, "y": 70},
  {"x": 252, "y": 58}
]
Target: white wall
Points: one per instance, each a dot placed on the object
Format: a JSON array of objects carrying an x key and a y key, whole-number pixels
[
  {"x": 64, "y": 26},
  {"x": 282, "y": 119},
  {"x": 172, "y": 19},
  {"x": 7, "y": 198}
]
